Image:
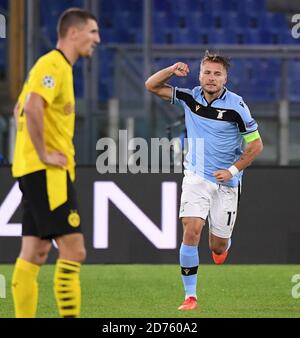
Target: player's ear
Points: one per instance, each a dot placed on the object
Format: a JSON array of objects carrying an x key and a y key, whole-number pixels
[{"x": 73, "y": 32}]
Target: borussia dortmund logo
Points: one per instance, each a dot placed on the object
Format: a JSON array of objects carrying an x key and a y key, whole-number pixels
[
  {"x": 74, "y": 219},
  {"x": 48, "y": 81},
  {"x": 69, "y": 108}
]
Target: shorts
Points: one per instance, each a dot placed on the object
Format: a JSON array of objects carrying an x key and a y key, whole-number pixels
[
  {"x": 215, "y": 202},
  {"x": 37, "y": 219}
]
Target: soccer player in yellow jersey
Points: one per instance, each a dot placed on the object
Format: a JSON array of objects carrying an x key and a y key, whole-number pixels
[{"x": 44, "y": 165}]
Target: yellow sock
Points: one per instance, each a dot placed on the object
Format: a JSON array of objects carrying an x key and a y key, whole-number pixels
[
  {"x": 67, "y": 288},
  {"x": 25, "y": 288}
]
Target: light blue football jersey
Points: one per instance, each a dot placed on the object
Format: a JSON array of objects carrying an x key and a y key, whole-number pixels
[{"x": 215, "y": 131}]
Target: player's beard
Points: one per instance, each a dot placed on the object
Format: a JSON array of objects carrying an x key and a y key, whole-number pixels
[{"x": 212, "y": 91}]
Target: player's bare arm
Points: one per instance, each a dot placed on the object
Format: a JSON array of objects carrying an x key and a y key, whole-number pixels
[
  {"x": 252, "y": 150},
  {"x": 16, "y": 113},
  {"x": 157, "y": 85},
  {"x": 34, "y": 110}
]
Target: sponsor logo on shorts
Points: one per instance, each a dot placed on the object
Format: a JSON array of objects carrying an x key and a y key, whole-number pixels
[{"x": 74, "y": 219}]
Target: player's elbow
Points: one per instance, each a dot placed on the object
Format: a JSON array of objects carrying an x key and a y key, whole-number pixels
[
  {"x": 149, "y": 86},
  {"x": 29, "y": 111},
  {"x": 259, "y": 146},
  {"x": 33, "y": 111},
  {"x": 256, "y": 148},
  {"x": 30, "y": 108},
  {"x": 34, "y": 105},
  {"x": 153, "y": 87}
]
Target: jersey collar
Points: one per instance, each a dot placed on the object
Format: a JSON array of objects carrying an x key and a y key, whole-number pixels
[
  {"x": 221, "y": 97},
  {"x": 64, "y": 56}
]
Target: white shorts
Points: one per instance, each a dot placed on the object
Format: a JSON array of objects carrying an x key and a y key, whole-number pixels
[{"x": 207, "y": 200}]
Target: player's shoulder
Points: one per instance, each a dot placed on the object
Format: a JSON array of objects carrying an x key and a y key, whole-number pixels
[
  {"x": 51, "y": 60},
  {"x": 196, "y": 92},
  {"x": 233, "y": 97},
  {"x": 184, "y": 90},
  {"x": 236, "y": 102}
]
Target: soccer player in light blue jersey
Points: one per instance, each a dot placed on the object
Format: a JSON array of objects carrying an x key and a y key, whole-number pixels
[{"x": 218, "y": 122}]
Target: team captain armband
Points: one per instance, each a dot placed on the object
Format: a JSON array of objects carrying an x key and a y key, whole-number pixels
[{"x": 252, "y": 136}]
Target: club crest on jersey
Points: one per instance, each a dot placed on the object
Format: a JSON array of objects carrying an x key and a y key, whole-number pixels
[
  {"x": 220, "y": 114},
  {"x": 48, "y": 81},
  {"x": 69, "y": 108},
  {"x": 74, "y": 219},
  {"x": 197, "y": 107}
]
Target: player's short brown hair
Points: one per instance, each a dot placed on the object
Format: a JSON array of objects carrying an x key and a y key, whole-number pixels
[
  {"x": 213, "y": 57},
  {"x": 73, "y": 17}
]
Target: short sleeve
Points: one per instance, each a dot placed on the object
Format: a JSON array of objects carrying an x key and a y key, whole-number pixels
[
  {"x": 44, "y": 80},
  {"x": 176, "y": 94},
  {"x": 250, "y": 125}
]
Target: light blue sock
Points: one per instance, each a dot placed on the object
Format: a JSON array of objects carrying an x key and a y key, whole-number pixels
[{"x": 189, "y": 261}]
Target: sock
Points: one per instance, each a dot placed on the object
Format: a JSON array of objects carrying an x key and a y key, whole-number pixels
[
  {"x": 25, "y": 288},
  {"x": 189, "y": 261},
  {"x": 67, "y": 288}
]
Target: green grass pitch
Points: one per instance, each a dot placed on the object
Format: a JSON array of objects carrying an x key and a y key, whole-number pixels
[{"x": 155, "y": 291}]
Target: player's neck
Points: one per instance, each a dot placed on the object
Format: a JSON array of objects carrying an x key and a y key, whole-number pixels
[
  {"x": 70, "y": 54},
  {"x": 210, "y": 97}
]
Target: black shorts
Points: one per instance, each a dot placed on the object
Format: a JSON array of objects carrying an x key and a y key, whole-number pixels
[{"x": 37, "y": 219}]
